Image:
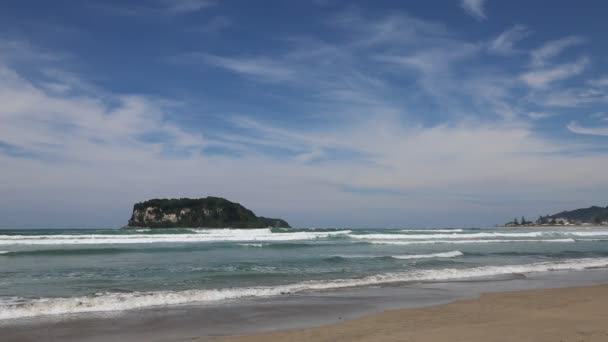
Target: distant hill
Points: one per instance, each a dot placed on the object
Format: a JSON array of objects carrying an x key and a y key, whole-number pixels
[
  {"x": 210, "y": 212},
  {"x": 593, "y": 215}
]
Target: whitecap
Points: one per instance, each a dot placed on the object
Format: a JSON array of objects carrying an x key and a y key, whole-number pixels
[
  {"x": 135, "y": 300},
  {"x": 451, "y": 254}
]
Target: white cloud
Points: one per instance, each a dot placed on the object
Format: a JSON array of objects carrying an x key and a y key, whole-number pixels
[
  {"x": 540, "y": 115},
  {"x": 504, "y": 44},
  {"x": 156, "y": 7},
  {"x": 187, "y": 6},
  {"x": 599, "y": 82},
  {"x": 541, "y": 56},
  {"x": 215, "y": 25},
  {"x": 261, "y": 69},
  {"x": 575, "y": 97},
  {"x": 577, "y": 128},
  {"x": 474, "y": 141},
  {"x": 543, "y": 77},
  {"x": 474, "y": 8},
  {"x": 83, "y": 146},
  {"x": 434, "y": 59}
]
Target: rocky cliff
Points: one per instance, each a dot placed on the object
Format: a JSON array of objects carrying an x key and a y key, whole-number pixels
[{"x": 210, "y": 212}]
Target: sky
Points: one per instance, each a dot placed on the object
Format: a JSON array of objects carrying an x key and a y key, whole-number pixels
[{"x": 326, "y": 113}]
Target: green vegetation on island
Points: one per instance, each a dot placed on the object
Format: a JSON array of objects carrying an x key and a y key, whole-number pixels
[
  {"x": 586, "y": 216},
  {"x": 210, "y": 212}
]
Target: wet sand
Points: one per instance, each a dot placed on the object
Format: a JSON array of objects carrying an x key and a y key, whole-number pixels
[
  {"x": 369, "y": 312},
  {"x": 549, "y": 315}
]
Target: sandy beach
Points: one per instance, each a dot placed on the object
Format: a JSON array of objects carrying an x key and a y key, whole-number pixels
[{"x": 551, "y": 315}]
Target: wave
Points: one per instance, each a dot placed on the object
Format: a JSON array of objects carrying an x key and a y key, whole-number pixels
[
  {"x": 443, "y": 236},
  {"x": 423, "y": 242},
  {"x": 136, "y": 300},
  {"x": 252, "y": 245},
  {"x": 583, "y": 234},
  {"x": 432, "y": 230},
  {"x": 452, "y": 254},
  {"x": 208, "y": 235},
  {"x": 273, "y": 235},
  {"x": 552, "y": 234}
]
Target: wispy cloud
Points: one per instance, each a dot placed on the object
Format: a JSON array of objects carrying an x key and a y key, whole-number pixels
[
  {"x": 215, "y": 25},
  {"x": 541, "y": 56},
  {"x": 575, "y": 97},
  {"x": 386, "y": 102},
  {"x": 540, "y": 115},
  {"x": 544, "y": 77},
  {"x": 599, "y": 82},
  {"x": 577, "y": 128},
  {"x": 434, "y": 59},
  {"x": 505, "y": 43},
  {"x": 22, "y": 51},
  {"x": 474, "y": 8},
  {"x": 187, "y": 6},
  {"x": 157, "y": 7},
  {"x": 258, "y": 68}
]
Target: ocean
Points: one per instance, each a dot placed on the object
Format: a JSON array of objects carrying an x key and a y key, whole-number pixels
[{"x": 59, "y": 272}]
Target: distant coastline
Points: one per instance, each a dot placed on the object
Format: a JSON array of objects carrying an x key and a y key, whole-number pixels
[
  {"x": 593, "y": 216},
  {"x": 535, "y": 226}
]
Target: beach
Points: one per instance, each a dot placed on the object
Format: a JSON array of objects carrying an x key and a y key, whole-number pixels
[
  {"x": 566, "y": 300},
  {"x": 565, "y": 315},
  {"x": 192, "y": 284}
]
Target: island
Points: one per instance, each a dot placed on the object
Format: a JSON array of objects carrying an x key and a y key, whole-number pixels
[
  {"x": 209, "y": 212},
  {"x": 593, "y": 215}
]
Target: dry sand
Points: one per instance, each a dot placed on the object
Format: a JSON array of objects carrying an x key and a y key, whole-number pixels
[{"x": 551, "y": 315}]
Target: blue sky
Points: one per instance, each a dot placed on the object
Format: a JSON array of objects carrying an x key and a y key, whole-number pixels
[{"x": 326, "y": 113}]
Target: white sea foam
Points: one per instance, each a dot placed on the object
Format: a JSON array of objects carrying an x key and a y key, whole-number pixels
[
  {"x": 208, "y": 235},
  {"x": 4, "y": 252},
  {"x": 432, "y": 230},
  {"x": 251, "y": 244},
  {"x": 423, "y": 242},
  {"x": 594, "y": 233},
  {"x": 255, "y": 235},
  {"x": 443, "y": 236},
  {"x": 482, "y": 235},
  {"x": 126, "y": 301},
  {"x": 451, "y": 254}
]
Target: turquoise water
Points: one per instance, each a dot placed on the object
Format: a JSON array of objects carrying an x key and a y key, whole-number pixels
[{"x": 52, "y": 272}]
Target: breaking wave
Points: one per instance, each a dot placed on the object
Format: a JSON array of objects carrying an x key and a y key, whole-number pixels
[
  {"x": 452, "y": 254},
  {"x": 423, "y": 242},
  {"x": 207, "y": 235},
  {"x": 432, "y": 230},
  {"x": 251, "y": 237},
  {"x": 118, "y": 301}
]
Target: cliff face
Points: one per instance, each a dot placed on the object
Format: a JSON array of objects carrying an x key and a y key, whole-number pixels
[{"x": 210, "y": 212}]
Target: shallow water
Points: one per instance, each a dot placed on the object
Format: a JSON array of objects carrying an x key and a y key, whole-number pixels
[{"x": 53, "y": 272}]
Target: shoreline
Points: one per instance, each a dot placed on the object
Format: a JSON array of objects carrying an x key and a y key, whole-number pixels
[
  {"x": 553, "y": 227},
  {"x": 304, "y": 311},
  {"x": 554, "y": 314}
]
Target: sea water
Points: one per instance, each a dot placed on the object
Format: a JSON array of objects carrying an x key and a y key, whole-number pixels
[{"x": 55, "y": 272}]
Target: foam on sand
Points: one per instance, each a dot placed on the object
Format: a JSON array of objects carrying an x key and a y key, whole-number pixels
[{"x": 135, "y": 300}]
